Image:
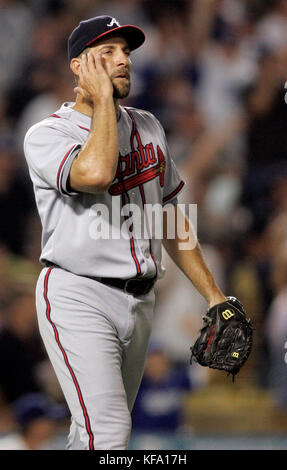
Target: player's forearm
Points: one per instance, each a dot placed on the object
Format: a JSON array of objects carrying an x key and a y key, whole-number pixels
[
  {"x": 192, "y": 263},
  {"x": 94, "y": 168}
]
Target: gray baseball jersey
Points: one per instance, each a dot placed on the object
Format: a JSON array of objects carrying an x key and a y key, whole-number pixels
[{"x": 146, "y": 174}]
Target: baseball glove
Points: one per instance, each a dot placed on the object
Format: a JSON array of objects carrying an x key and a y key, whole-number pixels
[{"x": 225, "y": 340}]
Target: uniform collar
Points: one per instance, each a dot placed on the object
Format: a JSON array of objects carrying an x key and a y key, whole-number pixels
[{"x": 78, "y": 117}]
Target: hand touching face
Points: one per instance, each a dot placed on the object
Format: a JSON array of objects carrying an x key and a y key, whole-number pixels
[{"x": 103, "y": 70}]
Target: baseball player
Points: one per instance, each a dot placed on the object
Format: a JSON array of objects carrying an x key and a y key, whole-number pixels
[{"x": 95, "y": 296}]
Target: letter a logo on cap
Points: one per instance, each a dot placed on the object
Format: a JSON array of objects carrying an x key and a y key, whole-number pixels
[{"x": 114, "y": 21}]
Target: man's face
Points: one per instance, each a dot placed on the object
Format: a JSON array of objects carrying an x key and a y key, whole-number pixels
[{"x": 115, "y": 53}]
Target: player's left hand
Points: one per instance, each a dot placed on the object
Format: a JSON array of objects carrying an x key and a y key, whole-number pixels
[{"x": 225, "y": 340}]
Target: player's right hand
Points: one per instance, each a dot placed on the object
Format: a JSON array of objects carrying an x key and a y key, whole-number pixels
[{"x": 94, "y": 84}]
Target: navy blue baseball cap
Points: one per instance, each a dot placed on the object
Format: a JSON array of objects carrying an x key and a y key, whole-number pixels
[{"x": 89, "y": 31}]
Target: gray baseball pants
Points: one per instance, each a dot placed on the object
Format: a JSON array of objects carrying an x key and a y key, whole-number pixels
[{"x": 97, "y": 338}]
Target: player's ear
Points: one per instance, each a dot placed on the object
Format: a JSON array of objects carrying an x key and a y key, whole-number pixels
[{"x": 75, "y": 66}]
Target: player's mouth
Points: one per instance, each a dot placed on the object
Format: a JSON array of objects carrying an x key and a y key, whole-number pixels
[{"x": 123, "y": 75}]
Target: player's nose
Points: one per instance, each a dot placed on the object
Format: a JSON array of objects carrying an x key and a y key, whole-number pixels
[{"x": 122, "y": 58}]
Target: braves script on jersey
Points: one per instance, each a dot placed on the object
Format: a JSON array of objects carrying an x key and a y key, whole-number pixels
[{"x": 146, "y": 174}]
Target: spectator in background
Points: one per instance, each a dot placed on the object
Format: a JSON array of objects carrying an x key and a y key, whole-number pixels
[
  {"x": 36, "y": 424},
  {"x": 21, "y": 347},
  {"x": 16, "y": 24},
  {"x": 48, "y": 36},
  {"x": 40, "y": 71},
  {"x": 59, "y": 90},
  {"x": 22, "y": 385},
  {"x": 276, "y": 333},
  {"x": 182, "y": 118},
  {"x": 271, "y": 30},
  {"x": 249, "y": 279},
  {"x": 260, "y": 279},
  {"x": 37, "y": 79},
  {"x": 158, "y": 410},
  {"x": 6, "y": 282},
  {"x": 275, "y": 320},
  {"x": 266, "y": 138},
  {"x": 126, "y": 11},
  {"x": 16, "y": 198},
  {"x": 213, "y": 169},
  {"x": 225, "y": 69}
]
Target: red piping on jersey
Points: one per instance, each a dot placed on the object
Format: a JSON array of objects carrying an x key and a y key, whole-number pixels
[
  {"x": 85, "y": 128},
  {"x": 150, "y": 242},
  {"x": 48, "y": 315},
  {"x": 174, "y": 193},
  {"x": 56, "y": 116},
  {"x": 132, "y": 243},
  {"x": 133, "y": 134},
  {"x": 61, "y": 166},
  {"x": 135, "y": 256},
  {"x": 134, "y": 129}
]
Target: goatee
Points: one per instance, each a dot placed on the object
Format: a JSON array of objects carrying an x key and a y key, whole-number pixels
[{"x": 121, "y": 93}]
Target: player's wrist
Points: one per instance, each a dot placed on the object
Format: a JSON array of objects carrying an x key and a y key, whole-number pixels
[
  {"x": 216, "y": 298},
  {"x": 103, "y": 100}
]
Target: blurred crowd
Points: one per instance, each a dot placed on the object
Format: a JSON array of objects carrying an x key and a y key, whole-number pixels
[{"x": 213, "y": 72}]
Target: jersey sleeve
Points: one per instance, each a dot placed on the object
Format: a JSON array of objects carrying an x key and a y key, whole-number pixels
[
  {"x": 49, "y": 153},
  {"x": 173, "y": 183}
]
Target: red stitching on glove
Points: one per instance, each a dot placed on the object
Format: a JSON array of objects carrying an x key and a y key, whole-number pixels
[{"x": 210, "y": 337}]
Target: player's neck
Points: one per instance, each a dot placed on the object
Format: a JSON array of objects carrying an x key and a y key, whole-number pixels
[{"x": 85, "y": 106}]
